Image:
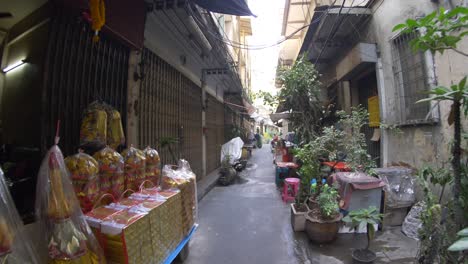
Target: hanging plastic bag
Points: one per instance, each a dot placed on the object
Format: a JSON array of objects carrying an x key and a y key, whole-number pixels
[
  {"x": 93, "y": 131},
  {"x": 84, "y": 171},
  {"x": 66, "y": 233},
  {"x": 15, "y": 247},
  {"x": 111, "y": 171},
  {"x": 135, "y": 166},
  {"x": 115, "y": 133},
  {"x": 153, "y": 172}
]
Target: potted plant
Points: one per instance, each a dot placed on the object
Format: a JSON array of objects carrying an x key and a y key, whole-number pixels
[
  {"x": 368, "y": 218},
  {"x": 322, "y": 222}
]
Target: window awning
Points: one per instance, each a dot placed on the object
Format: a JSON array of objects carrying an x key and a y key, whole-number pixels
[{"x": 230, "y": 7}]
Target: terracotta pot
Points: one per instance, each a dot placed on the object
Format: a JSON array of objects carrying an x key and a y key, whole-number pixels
[
  {"x": 322, "y": 231},
  {"x": 312, "y": 203},
  {"x": 298, "y": 219}
]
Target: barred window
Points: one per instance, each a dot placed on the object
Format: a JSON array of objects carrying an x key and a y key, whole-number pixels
[{"x": 410, "y": 75}]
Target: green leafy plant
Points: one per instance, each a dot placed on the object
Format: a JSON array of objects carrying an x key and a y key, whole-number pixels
[
  {"x": 328, "y": 202},
  {"x": 354, "y": 141},
  {"x": 439, "y": 31},
  {"x": 364, "y": 217},
  {"x": 167, "y": 142}
]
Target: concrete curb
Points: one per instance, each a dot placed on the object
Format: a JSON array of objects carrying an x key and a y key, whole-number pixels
[{"x": 205, "y": 185}]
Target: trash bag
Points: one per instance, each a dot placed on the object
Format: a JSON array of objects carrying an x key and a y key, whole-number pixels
[
  {"x": 84, "y": 171},
  {"x": 412, "y": 222},
  {"x": 15, "y": 248},
  {"x": 66, "y": 234}
]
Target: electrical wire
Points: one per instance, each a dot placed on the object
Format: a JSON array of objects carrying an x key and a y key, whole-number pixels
[{"x": 264, "y": 46}]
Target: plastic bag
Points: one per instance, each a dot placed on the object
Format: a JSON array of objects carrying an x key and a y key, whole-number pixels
[
  {"x": 66, "y": 233},
  {"x": 153, "y": 172},
  {"x": 115, "y": 134},
  {"x": 14, "y": 245},
  {"x": 111, "y": 171},
  {"x": 93, "y": 131},
  {"x": 135, "y": 166},
  {"x": 399, "y": 186},
  {"x": 84, "y": 171}
]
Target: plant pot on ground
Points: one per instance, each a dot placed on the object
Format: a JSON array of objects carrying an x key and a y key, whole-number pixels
[
  {"x": 323, "y": 221},
  {"x": 298, "y": 218},
  {"x": 368, "y": 218}
]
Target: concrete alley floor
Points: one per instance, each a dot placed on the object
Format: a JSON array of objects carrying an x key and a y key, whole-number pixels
[{"x": 247, "y": 222}]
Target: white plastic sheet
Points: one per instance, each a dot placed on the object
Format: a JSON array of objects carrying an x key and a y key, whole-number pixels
[{"x": 232, "y": 149}]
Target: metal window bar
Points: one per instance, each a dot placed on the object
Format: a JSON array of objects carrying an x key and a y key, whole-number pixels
[
  {"x": 78, "y": 72},
  {"x": 410, "y": 77}
]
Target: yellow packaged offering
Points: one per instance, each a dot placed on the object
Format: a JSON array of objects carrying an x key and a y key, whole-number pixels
[
  {"x": 111, "y": 171},
  {"x": 115, "y": 133},
  {"x": 93, "y": 131},
  {"x": 135, "y": 168},
  {"x": 84, "y": 171},
  {"x": 153, "y": 171}
]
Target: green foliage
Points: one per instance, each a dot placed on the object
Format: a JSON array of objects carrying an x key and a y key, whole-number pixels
[
  {"x": 439, "y": 31},
  {"x": 328, "y": 202},
  {"x": 268, "y": 98},
  {"x": 462, "y": 243},
  {"x": 300, "y": 95},
  {"x": 354, "y": 141},
  {"x": 364, "y": 217}
]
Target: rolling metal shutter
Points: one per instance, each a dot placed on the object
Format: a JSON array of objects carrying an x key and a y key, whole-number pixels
[
  {"x": 214, "y": 134},
  {"x": 78, "y": 72},
  {"x": 170, "y": 106}
]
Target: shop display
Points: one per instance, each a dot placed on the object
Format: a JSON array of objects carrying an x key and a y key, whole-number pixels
[
  {"x": 115, "y": 134},
  {"x": 84, "y": 171},
  {"x": 153, "y": 163},
  {"x": 182, "y": 178},
  {"x": 111, "y": 171},
  {"x": 15, "y": 247},
  {"x": 93, "y": 130},
  {"x": 135, "y": 166},
  {"x": 66, "y": 233}
]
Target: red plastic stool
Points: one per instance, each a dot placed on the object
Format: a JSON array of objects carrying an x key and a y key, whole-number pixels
[{"x": 290, "y": 189}]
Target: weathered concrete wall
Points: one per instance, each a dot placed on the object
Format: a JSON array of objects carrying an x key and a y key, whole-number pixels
[{"x": 417, "y": 145}]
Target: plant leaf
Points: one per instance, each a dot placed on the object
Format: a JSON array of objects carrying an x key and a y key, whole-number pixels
[
  {"x": 399, "y": 27},
  {"x": 459, "y": 245},
  {"x": 463, "y": 232}
]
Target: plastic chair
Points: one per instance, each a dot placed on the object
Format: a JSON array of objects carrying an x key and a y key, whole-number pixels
[{"x": 290, "y": 189}]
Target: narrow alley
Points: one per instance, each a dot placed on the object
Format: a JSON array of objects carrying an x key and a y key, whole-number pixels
[{"x": 251, "y": 218}]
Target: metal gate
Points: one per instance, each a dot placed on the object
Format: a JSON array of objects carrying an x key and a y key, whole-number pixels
[
  {"x": 77, "y": 72},
  {"x": 214, "y": 133},
  {"x": 170, "y": 107}
]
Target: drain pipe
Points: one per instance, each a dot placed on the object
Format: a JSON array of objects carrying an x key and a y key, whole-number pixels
[{"x": 203, "y": 90}]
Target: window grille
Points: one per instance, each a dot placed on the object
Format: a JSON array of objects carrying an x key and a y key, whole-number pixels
[{"x": 410, "y": 76}]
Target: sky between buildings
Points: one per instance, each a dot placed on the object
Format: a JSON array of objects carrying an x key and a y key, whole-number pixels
[{"x": 266, "y": 29}]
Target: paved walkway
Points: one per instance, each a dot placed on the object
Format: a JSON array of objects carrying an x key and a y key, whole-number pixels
[{"x": 248, "y": 223}]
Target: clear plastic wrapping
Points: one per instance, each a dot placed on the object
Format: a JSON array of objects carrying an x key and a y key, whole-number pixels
[
  {"x": 399, "y": 187},
  {"x": 135, "y": 168},
  {"x": 183, "y": 178},
  {"x": 153, "y": 163},
  {"x": 84, "y": 171},
  {"x": 93, "y": 131},
  {"x": 66, "y": 233},
  {"x": 15, "y": 248},
  {"x": 111, "y": 171}
]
